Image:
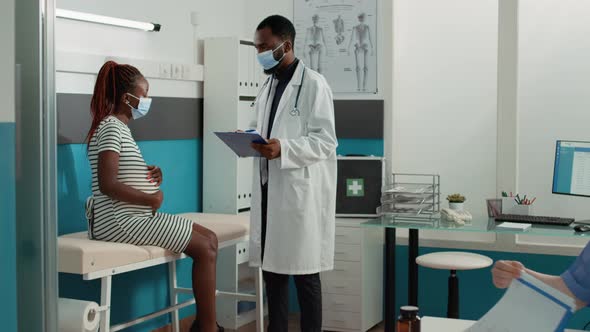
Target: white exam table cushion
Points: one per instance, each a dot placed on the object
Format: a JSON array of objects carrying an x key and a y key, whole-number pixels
[{"x": 80, "y": 255}]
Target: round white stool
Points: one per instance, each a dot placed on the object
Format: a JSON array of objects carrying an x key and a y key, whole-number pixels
[{"x": 454, "y": 261}]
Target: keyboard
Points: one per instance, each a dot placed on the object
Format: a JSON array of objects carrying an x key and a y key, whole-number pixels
[{"x": 540, "y": 220}]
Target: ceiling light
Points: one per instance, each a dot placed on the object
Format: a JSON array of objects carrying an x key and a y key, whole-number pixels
[{"x": 79, "y": 16}]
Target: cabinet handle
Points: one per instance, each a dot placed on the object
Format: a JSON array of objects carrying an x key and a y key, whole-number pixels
[{"x": 340, "y": 253}]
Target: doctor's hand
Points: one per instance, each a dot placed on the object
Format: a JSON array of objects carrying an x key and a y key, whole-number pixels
[
  {"x": 270, "y": 151},
  {"x": 504, "y": 271},
  {"x": 155, "y": 175}
]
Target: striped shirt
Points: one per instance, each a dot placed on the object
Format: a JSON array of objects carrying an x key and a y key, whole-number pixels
[
  {"x": 113, "y": 135},
  {"x": 115, "y": 221}
]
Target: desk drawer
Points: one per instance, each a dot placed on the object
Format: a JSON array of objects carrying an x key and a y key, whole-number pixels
[
  {"x": 347, "y": 252},
  {"x": 344, "y": 270},
  {"x": 342, "y": 286},
  {"x": 337, "y": 321},
  {"x": 242, "y": 252},
  {"x": 341, "y": 303},
  {"x": 348, "y": 235}
]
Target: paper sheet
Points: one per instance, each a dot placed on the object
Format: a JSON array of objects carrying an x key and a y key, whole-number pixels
[
  {"x": 528, "y": 305},
  {"x": 514, "y": 226}
]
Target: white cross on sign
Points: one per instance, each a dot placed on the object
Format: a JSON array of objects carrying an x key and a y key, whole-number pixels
[{"x": 355, "y": 188}]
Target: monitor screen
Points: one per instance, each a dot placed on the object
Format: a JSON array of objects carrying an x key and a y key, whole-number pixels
[{"x": 571, "y": 175}]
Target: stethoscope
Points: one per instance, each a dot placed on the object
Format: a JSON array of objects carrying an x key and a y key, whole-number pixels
[{"x": 295, "y": 111}]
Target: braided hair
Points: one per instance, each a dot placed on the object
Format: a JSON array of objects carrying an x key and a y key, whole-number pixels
[{"x": 112, "y": 82}]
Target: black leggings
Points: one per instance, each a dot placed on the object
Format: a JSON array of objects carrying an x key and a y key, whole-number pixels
[{"x": 309, "y": 292}]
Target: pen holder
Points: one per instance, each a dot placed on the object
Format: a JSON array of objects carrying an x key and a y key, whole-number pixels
[{"x": 509, "y": 206}]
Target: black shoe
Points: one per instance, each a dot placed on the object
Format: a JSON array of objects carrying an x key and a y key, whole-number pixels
[{"x": 196, "y": 328}]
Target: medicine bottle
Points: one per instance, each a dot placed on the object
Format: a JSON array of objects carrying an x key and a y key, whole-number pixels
[{"x": 408, "y": 320}]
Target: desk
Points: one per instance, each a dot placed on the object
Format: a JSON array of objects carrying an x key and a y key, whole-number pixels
[
  {"x": 436, "y": 324},
  {"x": 478, "y": 225}
]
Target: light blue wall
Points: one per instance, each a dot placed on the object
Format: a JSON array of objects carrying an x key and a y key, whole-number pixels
[
  {"x": 180, "y": 161},
  {"x": 8, "y": 316},
  {"x": 370, "y": 147}
]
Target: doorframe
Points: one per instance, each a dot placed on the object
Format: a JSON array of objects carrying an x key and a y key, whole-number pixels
[{"x": 36, "y": 171}]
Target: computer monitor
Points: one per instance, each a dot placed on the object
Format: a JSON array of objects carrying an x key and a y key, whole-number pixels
[{"x": 571, "y": 175}]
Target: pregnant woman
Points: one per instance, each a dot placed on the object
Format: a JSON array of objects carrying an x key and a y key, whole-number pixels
[{"x": 126, "y": 191}]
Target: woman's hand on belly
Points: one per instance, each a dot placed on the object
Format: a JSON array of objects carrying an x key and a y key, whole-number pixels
[
  {"x": 157, "y": 200},
  {"x": 155, "y": 175}
]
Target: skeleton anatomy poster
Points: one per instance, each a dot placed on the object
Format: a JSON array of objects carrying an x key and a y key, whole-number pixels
[{"x": 338, "y": 38}]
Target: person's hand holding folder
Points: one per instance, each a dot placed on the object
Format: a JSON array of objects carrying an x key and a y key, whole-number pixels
[
  {"x": 271, "y": 150},
  {"x": 504, "y": 272}
]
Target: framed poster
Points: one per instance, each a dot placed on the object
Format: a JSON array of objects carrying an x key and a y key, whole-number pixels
[{"x": 338, "y": 38}]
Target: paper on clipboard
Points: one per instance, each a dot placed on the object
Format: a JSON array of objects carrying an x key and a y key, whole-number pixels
[
  {"x": 240, "y": 142},
  {"x": 528, "y": 305}
]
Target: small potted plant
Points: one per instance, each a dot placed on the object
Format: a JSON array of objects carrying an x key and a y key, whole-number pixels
[{"x": 456, "y": 202}]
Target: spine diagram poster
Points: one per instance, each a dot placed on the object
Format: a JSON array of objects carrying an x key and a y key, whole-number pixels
[{"x": 338, "y": 38}]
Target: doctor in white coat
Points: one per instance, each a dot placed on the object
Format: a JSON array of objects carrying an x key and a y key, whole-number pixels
[{"x": 294, "y": 188}]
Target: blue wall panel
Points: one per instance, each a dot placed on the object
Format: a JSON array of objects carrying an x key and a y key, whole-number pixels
[
  {"x": 8, "y": 316},
  {"x": 369, "y": 147}
]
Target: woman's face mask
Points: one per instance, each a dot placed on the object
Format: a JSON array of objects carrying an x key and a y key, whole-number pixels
[
  {"x": 143, "y": 106},
  {"x": 267, "y": 59}
]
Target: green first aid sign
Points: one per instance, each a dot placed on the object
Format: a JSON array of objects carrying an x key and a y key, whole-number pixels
[{"x": 355, "y": 188}]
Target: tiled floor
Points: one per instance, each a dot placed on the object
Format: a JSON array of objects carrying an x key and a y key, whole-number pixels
[{"x": 293, "y": 326}]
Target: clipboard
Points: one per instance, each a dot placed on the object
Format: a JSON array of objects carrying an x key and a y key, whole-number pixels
[{"x": 239, "y": 142}]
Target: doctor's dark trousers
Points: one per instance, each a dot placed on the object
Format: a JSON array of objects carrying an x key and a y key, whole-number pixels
[{"x": 309, "y": 291}]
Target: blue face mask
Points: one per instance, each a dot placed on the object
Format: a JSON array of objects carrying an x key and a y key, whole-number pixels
[
  {"x": 143, "y": 107},
  {"x": 267, "y": 58}
]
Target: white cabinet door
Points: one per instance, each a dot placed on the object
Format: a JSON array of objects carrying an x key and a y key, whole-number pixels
[
  {"x": 243, "y": 71},
  {"x": 347, "y": 252},
  {"x": 341, "y": 286},
  {"x": 348, "y": 235}
]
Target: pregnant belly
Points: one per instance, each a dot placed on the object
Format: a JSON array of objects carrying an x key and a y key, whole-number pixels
[{"x": 140, "y": 183}]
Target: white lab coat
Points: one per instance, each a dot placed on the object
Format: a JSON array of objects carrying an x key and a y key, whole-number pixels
[{"x": 301, "y": 183}]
